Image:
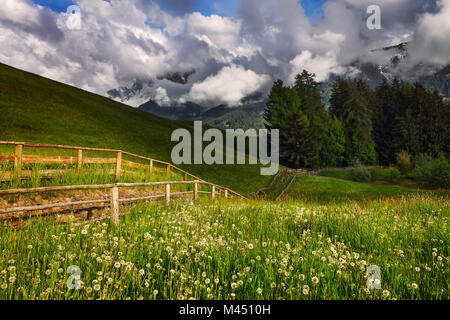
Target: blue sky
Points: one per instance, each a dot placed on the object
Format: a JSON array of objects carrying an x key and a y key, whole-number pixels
[{"x": 207, "y": 7}]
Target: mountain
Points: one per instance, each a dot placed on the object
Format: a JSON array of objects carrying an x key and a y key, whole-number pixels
[
  {"x": 222, "y": 116},
  {"x": 36, "y": 109},
  {"x": 185, "y": 111}
]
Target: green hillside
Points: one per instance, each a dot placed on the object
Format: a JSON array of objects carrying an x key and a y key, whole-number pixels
[{"x": 36, "y": 109}]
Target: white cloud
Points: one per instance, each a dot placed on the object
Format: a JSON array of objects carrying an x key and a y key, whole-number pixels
[
  {"x": 229, "y": 86},
  {"x": 124, "y": 42},
  {"x": 320, "y": 65},
  {"x": 432, "y": 37}
]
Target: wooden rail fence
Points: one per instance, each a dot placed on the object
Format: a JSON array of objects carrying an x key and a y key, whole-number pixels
[{"x": 19, "y": 158}]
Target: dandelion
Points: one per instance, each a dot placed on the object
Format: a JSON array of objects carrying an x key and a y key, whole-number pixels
[
  {"x": 315, "y": 280},
  {"x": 414, "y": 285},
  {"x": 207, "y": 281},
  {"x": 305, "y": 289},
  {"x": 234, "y": 285},
  {"x": 259, "y": 291},
  {"x": 250, "y": 246},
  {"x": 96, "y": 287},
  {"x": 117, "y": 265},
  {"x": 155, "y": 293},
  {"x": 386, "y": 293}
]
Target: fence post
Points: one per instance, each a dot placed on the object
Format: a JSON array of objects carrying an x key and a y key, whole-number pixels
[
  {"x": 79, "y": 162},
  {"x": 185, "y": 177},
  {"x": 118, "y": 165},
  {"x": 226, "y": 193},
  {"x": 115, "y": 206},
  {"x": 151, "y": 165},
  {"x": 18, "y": 162},
  {"x": 213, "y": 192},
  {"x": 167, "y": 194},
  {"x": 168, "y": 168},
  {"x": 195, "y": 190}
]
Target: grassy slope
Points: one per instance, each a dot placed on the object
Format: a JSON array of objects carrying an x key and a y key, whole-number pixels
[{"x": 36, "y": 109}]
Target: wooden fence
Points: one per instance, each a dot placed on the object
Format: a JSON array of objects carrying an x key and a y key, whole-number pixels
[
  {"x": 19, "y": 159},
  {"x": 114, "y": 198}
]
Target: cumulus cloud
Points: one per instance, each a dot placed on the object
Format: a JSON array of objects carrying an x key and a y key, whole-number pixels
[
  {"x": 321, "y": 65},
  {"x": 145, "y": 52},
  {"x": 432, "y": 36},
  {"x": 229, "y": 86}
]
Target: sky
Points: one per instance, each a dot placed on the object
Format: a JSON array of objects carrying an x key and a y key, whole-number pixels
[
  {"x": 212, "y": 52},
  {"x": 313, "y": 8}
]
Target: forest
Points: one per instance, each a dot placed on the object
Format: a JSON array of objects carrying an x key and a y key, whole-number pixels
[{"x": 393, "y": 123}]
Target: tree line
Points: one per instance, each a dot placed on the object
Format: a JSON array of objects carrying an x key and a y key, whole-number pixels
[{"x": 361, "y": 123}]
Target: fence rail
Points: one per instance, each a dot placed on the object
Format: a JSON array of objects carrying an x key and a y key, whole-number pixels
[{"x": 19, "y": 159}]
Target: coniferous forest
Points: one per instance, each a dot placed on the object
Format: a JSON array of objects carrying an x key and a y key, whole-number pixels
[{"x": 384, "y": 125}]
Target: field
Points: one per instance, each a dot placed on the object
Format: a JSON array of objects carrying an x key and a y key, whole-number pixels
[{"x": 312, "y": 248}]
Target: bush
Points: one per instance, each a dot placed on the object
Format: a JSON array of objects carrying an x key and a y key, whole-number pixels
[
  {"x": 404, "y": 162},
  {"x": 359, "y": 173},
  {"x": 394, "y": 174},
  {"x": 433, "y": 172}
]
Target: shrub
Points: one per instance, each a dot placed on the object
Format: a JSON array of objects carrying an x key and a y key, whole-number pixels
[
  {"x": 433, "y": 172},
  {"x": 404, "y": 162},
  {"x": 394, "y": 174},
  {"x": 359, "y": 173}
]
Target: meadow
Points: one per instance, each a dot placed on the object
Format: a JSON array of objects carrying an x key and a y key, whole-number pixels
[{"x": 298, "y": 248}]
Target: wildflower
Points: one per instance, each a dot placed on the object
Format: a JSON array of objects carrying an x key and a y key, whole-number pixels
[
  {"x": 207, "y": 281},
  {"x": 305, "y": 289},
  {"x": 155, "y": 292},
  {"x": 259, "y": 291},
  {"x": 141, "y": 272},
  {"x": 414, "y": 285},
  {"x": 417, "y": 269},
  {"x": 30, "y": 247},
  {"x": 117, "y": 265},
  {"x": 234, "y": 285},
  {"x": 315, "y": 280},
  {"x": 250, "y": 246},
  {"x": 48, "y": 272},
  {"x": 386, "y": 293},
  {"x": 216, "y": 281},
  {"x": 84, "y": 231},
  {"x": 60, "y": 270}
]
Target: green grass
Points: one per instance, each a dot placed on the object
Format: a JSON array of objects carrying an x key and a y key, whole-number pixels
[
  {"x": 35, "y": 109},
  {"x": 326, "y": 190},
  {"x": 237, "y": 250}
]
